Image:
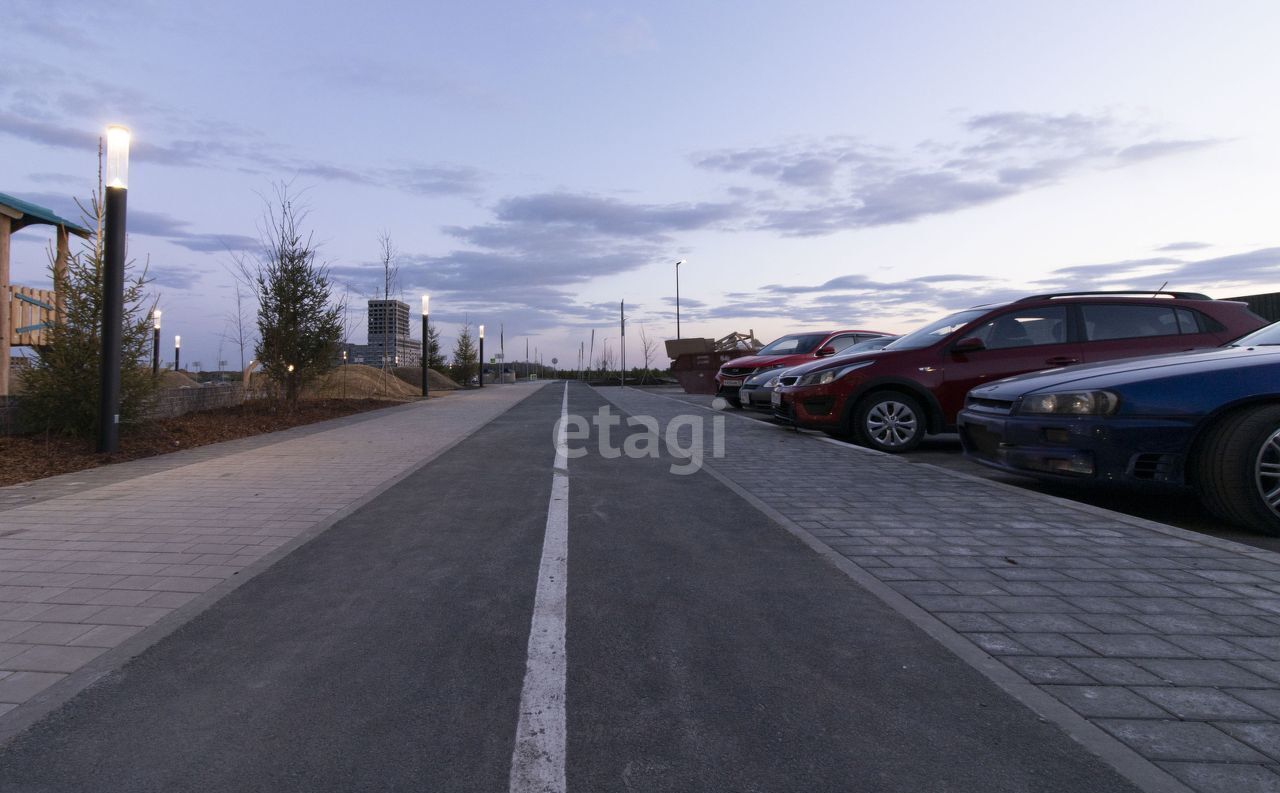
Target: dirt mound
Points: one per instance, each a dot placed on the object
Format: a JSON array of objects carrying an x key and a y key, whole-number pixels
[
  {"x": 172, "y": 379},
  {"x": 357, "y": 381},
  {"x": 413, "y": 376}
]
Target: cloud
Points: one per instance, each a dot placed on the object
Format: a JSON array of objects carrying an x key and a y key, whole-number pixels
[
  {"x": 175, "y": 278},
  {"x": 1183, "y": 246},
  {"x": 539, "y": 248},
  {"x": 64, "y": 113},
  {"x": 610, "y": 216},
  {"x": 1240, "y": 269},
  {"x": 827, "y": 185}
]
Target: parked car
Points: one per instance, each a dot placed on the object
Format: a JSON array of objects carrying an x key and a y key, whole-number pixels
[
  {"x": 790, "y": 350},
  {"x": 889, "y": 400},
  {"x": 1208, "y": 420},
  {"x": 757, "y": 390}
]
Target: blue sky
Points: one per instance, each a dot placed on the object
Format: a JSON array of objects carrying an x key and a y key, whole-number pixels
[{"x": 818, "y": 165}]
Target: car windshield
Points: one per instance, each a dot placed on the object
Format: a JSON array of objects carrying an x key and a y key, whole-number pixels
[
  {"x": 869, "y": 345},
  {"x": 1267, "y": 337},
  {"x": 936, "y": 331},
  {"x": 794, "y": 344}
]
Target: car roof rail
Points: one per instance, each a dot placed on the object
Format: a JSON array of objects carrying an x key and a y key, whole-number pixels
[{"x": 1121, "y": 293}]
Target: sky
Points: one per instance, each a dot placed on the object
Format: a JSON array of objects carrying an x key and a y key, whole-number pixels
[{"x": 816, "y": 164}]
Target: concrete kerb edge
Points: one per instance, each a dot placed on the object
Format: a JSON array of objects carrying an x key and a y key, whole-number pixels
[
  {"x": 1133, "y": 766},
  {"x": 42, "y": 704}
]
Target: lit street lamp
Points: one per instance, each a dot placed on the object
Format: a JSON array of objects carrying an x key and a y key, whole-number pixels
[
  {"x": 482, "y": 356},
  {"x": 117, "y": 178},
  {"x": 177, "y": 353},
  {"x": 426, "y": 304},
  {"x": 678, "y": 297},
  {"x": 155, "y": 343}
]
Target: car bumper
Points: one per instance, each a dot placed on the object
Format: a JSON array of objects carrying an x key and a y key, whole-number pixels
[
  {"x": 756, "y": 397},
  {"x": 813, "y": 408},
  {"x": 1128, "y": 451}
]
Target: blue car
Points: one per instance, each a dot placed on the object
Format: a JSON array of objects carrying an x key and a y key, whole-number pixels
[{"x": 1207, "y": 420}]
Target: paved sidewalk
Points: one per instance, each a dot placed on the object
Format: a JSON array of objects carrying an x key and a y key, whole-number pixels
[
  {"x": 1157, "y": 648},
  {"x": 90, "y": 560}
]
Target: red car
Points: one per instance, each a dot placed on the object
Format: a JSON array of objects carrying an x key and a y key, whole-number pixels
[
  {"x": 889, "y": 399},
  {"x": 791, "y": 350}
]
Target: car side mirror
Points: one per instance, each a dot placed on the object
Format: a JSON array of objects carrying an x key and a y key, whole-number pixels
[
  {"x": 969, "y": 344},
  {"x": 825, "y": 351}
]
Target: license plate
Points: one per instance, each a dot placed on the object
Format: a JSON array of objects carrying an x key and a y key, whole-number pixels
[
  {"x": 732, "y": 381},
  {"x": 776, "y": 398}
]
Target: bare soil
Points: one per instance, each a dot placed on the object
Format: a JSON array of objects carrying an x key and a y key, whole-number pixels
[{"x": 36, "y": 456}]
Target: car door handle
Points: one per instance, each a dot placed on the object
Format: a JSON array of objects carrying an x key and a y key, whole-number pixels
[{"x": 1062, "y": 360}]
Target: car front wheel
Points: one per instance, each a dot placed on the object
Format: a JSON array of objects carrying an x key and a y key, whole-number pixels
[
  {"x": 1238, "y": 469},
  {"x": 889, "y": 422}
]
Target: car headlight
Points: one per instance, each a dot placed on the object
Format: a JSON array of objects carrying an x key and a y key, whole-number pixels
[
  {"x": 1071, "y": 403},
  {"x": 829, "y": 375}
]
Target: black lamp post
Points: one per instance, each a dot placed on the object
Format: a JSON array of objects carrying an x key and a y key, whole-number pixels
[
  {"x": 482, "y": 356},
  {"x": 155, "y": 343},
  {"x": 678, "y": 297},
  {"x": 426, "y": 300},
  {"x": 113, "y": 244},
  {"x": 177, "y": 353}
]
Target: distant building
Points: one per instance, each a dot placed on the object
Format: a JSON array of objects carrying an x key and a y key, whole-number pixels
[{"x": 389, "y": 341}]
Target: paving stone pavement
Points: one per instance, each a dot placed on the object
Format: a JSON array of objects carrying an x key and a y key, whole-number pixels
[
  {"x": 91, "y": 559},
  {"x": 1166, "y": 640}
]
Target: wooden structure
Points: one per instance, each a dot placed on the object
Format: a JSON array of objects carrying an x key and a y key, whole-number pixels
[{"x": 26, "y": 313}]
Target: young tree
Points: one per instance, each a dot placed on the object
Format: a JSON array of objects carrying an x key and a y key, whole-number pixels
[
  {"x": 647, "y": 348},
  {"x": 390, "y": 283},
  {"x": 299, "y": 325},
  {"x": 62, "y": 388},
  {"x": 464, "y": 355},
  {"x": 237, "y": 329},
  {"x": 435, "y": 358}
]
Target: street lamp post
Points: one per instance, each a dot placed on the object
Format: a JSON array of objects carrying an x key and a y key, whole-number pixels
[
  {"x": 117, "y": 178},
  {"x": 482, "y": 356},
  {"x": 177, "y": 353},
  {"x": 426, "y": 300},
  {"x": 155, "y": 343},
  {"x": 678, "y": 298}
]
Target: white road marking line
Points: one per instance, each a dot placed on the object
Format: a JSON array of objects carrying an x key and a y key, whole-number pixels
[{"x": 538, "y": 761}]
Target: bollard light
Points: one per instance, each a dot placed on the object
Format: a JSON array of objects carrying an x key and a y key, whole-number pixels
[
  {"x": 117, "y": 169},
  {"x": 115, "y": 204},
  {"x": 481, "y": 368},
  {"x": 155, "y": 343},
  {"x": 177, "y": 353}
]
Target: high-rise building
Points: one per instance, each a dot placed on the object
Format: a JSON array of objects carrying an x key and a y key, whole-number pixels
[{"x": 389, "y": 340}]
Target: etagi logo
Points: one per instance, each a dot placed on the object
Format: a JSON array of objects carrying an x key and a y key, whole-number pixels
[{"x": 645, "y": 436}]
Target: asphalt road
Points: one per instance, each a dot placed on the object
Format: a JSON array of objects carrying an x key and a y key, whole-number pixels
[{"x": 708, "y": 650}]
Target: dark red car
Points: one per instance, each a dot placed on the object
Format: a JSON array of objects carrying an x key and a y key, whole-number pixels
[
  {"x": 889, "y": 399},
  {"x": 790, "y": 350}
]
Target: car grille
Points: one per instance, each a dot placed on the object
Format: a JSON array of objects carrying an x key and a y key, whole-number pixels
[
  {"x": 981, "y": 441},
  {"x": 788, "y": 379},
  {"x": 737, "y": 371},
  {"x": 1155, "y": 467},
  {"x": 986, "y": 405}
]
